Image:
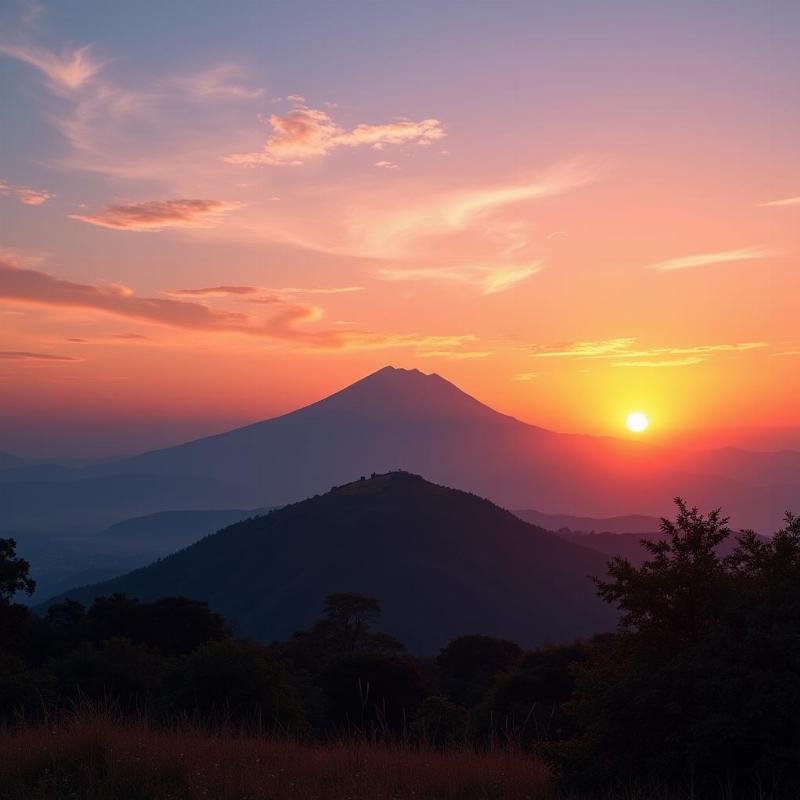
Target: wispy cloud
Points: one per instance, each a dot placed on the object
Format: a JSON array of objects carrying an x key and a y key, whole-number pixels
[
  {"x": 457, "y": 355},
  {"x": 220, "y": 81},
  {"x": 156, "y": 215},
  {"x": 19, "y": 355},
  {"x": 305, "y": 133},
  {"x": 705, "y": 259},
  {"x": 592, "y": 349},
  {"x": 526, "y": 376},
  {"x": 492, "y": 211},
  {"x": 676, "y": 362},
  {"x": 632, "y": 356},
  {"x": 66, "y": 72},
  {"x": 387, "y": 165},
  {"x": 489, "y": 280},
  {"x": 25, "y": 194},
  {"x": 786, "y": 201}
]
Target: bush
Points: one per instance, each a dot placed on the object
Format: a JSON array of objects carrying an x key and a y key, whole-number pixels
[
  {"x": 237, "y": 682},
  {"x": 469, "y": 664},
  {"x": 441, "y": 724},
  {"x": 371, "y": 691}
]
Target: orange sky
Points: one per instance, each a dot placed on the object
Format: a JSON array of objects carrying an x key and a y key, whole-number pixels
[{"x": 570, "y": 211}]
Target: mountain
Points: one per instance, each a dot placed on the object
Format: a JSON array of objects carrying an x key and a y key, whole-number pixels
[
  {"x": 628, "y": 545},
  {"x": 632, "y": 523},
  {"x": 441, "y": 561},
  {"x": 87, "y": 504},
  {"x": 164, "y": 532},
  {"x": 405, "y": 419},
  {"x": 9, "y": 461},
  {"x": 62, "y": 560}
]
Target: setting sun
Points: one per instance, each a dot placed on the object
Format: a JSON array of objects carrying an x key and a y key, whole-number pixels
[{"x": 637, "y": 422}]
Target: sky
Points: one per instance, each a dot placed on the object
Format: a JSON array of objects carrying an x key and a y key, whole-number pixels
[{"x": 215, "y": 213}]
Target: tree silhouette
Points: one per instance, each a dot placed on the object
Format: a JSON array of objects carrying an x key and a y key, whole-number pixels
[
  {"x": 14, "y": 572},
  {"x": 700, "y": 687}
]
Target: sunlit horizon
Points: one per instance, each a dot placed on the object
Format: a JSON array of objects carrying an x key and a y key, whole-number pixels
[{"x": 570, "y": 213}]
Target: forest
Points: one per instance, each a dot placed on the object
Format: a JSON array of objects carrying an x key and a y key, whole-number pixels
[{"x": 696, "y": 694}]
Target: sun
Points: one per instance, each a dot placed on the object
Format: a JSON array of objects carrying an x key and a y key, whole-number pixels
[{"x": 637, "y": 422}]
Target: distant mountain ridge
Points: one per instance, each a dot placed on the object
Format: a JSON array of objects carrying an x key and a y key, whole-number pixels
[
  {"x": 406, "y": 419},
  {"x": 630, "y": 523},
  {"x": 442, "y": 562}
]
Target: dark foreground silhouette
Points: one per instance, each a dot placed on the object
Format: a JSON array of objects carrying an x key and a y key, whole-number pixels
[
  {"x": 442, "y": 562},
  {"x": 696, "y": 694}
]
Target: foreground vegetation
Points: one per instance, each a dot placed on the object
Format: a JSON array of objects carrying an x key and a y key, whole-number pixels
[
  {"x": 696, "y": 695},
  {"x": 95, "y": 758}
]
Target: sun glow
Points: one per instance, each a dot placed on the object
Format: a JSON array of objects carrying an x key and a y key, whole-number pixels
[{"x": 637, "y": 422}]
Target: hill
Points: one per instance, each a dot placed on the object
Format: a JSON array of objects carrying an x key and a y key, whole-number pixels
[
  {"x": 442, "y": 562},
  {"x": 62, "y": 560}
]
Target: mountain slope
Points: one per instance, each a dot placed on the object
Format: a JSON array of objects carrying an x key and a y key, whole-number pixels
[
  {"x": 405, "y": 419},
  {"x": 441, "y": 561},
  {"x": 164, "y": 532}
]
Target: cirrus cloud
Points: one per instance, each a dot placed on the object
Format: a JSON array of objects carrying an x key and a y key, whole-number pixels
[
  {"x": 625, "y": 348},
  {"x": 488, "y": 279},
  {"x": 65, "y": 73},
  {"x": 786, "y": 201},
  {"x": 704, "y": 259}
]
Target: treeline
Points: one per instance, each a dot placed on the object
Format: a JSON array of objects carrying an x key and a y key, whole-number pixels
[{"x": 697, "y": 692}]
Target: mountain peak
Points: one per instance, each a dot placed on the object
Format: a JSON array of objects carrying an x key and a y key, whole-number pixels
[{"x": 404, "y": 394}]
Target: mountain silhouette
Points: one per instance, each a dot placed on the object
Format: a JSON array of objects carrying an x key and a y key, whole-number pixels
[
  {"x": 629, "y": 523},
  {"x": 405, "y": 419},
  {"x": 442, "y": 562}
]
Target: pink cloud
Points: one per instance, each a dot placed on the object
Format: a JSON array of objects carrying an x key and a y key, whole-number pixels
[
  {"x": 305, "y": 133},
  {"x": 286, "y": 323},
  {"x": 25, "y": 194},
  {"x": 223, "y": 291},
  {"x": 215, "y": 291},
  {"x": 155, "y": 215}
]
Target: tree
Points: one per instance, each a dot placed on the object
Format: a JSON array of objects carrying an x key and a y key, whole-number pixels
[
  {"x": 700, "y": 687},
  {"x": 676, "y": 592},
  {"x": 236, "y": 681},
  {"x": 345, "y": 629},
  {"x": 14, "y": 577},
  {"x": 14, "y": 572},
  {"x": 469, "y": 665},
  {"x": 171, "y": 625},
  {"x": 526, "y": 704},
  {"x": 352, "y": 616}
]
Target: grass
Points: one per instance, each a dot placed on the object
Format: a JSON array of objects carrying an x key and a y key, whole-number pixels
[{"x": 96, "y": 757}]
